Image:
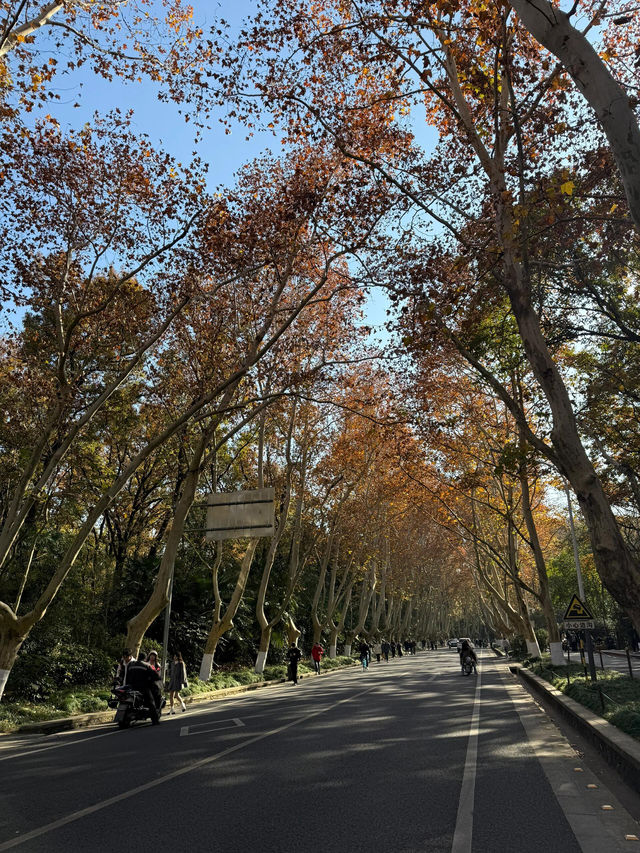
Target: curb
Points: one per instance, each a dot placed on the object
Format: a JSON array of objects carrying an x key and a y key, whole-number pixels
[
  {"x": 83, "y": 721},
  {"x": 619, "y": 749}
]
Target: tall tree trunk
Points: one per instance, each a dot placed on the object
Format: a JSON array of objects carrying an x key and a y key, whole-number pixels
[
  {"x": 555, "y": 643},
  {"x": 139, "y": 624},
  {"x": 608, "y": 99},
  {"x": 266, "y": 627},
  {"x": 224, "y": 622},
  {"x": 12, "y": 636},
  {"x": 615, "y": 563},
  {"x": 206, "y": 665}
]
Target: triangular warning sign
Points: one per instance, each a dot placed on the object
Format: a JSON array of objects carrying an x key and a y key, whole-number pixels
[{"x": 577, "y": 610}]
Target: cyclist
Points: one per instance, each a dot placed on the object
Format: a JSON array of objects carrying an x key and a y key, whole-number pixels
[{"x": 467, "y": 651}]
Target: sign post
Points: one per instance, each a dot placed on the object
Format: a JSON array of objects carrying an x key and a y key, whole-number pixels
[
  {"x": 578, "y": 617},
  {"x": 576, "y": 558}
]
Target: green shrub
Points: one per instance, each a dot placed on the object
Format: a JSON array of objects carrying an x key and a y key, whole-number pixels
[
  {"x": 627, "y": 719},
  {"x": 36, "y": 676},
  {"x": 542, "y": 636},
  {"x": 274, "y": 672}
]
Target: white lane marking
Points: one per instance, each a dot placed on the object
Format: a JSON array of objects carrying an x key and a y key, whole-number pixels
[
  {"x": 463, "y": 834},
  {"x": 28, "y": 752},
  {"x": 213, "y": 726},
  {"x": 203, "y": 762}
]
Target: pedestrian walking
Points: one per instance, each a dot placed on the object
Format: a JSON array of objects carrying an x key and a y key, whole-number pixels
[
  {"x": 392, "y": 648},
  {"x": 363, "y": 649},
  {"x": 293, "y": 656},
  {"x": 316, "y": 655},
  {"x": 377, "y": 650},
  {"x": 385, "y": 650},
  {"x": 177, "y": 680}
]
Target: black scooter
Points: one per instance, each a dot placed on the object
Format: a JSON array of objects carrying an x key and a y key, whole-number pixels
[
  {"x": 468, "y": 665},
  {"x": 131, "y": 705}
]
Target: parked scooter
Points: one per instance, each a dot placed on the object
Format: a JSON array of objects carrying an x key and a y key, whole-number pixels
[{"x": 131, "y": 705}]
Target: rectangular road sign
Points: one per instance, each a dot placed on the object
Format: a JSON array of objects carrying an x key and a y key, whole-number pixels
[
  {"x": 578, "y": 624},
  {"x": 240, "y": 514}
]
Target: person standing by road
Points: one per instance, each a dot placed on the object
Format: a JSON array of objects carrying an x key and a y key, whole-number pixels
[
  {"x": 152, "y": 661},
  {"x": 177, "y": 680},
  {"x": 293, "y": 655},
  {"x": 377, "y": 650},
  {"x": 316, "y": 653}
]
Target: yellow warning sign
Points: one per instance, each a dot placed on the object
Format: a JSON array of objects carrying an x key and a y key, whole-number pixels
[{"x": 577, "y": 610}]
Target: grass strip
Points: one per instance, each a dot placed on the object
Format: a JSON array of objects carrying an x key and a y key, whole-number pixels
[{"x": 621, "y": 694}]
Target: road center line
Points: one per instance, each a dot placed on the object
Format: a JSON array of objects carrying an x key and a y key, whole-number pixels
[
  {"x": 57, "y": 824},
  {"x": 463, "y": 834}
]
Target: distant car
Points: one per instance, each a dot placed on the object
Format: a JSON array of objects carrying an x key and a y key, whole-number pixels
[
  {"x": 461, "y": 641},
  {"x": 453, "y": 643}
]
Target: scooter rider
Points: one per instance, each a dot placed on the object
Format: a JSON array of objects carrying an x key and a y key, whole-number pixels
[
  {"x": 144, "y": 679},
  {"x": 467, "y": 651}
]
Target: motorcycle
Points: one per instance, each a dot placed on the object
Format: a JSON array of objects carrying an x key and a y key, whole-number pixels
[
  {"x": 130, "y": 705},
  {"x": 468, "y": 665}
]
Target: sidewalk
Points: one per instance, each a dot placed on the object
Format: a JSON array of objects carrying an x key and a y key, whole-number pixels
[{"x": 619, "y": 749}]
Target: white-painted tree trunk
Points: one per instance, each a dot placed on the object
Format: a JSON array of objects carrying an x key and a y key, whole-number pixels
[
  {"x": 261, "y": 660},
  {"x": 4, "y": 675},
  {"x": 205, "y": 667},
  {"x": 333, "y": 651},
  {"x": 347, "y": 650},
  {"x": 557, "y": 655},
  {"x": 533, "y": 649}
]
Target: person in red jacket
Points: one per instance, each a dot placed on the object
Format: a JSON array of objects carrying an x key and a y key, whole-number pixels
[{"x": 316, "y": 653}]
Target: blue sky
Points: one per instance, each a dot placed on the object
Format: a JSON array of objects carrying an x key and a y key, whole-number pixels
[{"x": 225, "y": 153}]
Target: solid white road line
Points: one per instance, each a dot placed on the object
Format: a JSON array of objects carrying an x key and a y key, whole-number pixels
[
  {"x": 57, "y": 824},
  {"x": 54, "y": 746},
  {"x": 463, "y": 834}
]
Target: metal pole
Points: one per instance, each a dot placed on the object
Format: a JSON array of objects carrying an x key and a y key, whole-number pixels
[
  {"x": 165, "y": 635},
  {"x": 576, "y": 558}
]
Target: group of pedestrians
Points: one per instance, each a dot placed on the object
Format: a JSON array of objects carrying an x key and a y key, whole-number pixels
[
  {"x": 384, "y": 649},
  {"x": 144, "y": 674}
]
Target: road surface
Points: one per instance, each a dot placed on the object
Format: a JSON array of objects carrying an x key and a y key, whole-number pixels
[{"x": 409, "y": 756}]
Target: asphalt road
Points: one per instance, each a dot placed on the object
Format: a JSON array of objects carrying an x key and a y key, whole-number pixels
[{"x": 409, "y": 756}]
